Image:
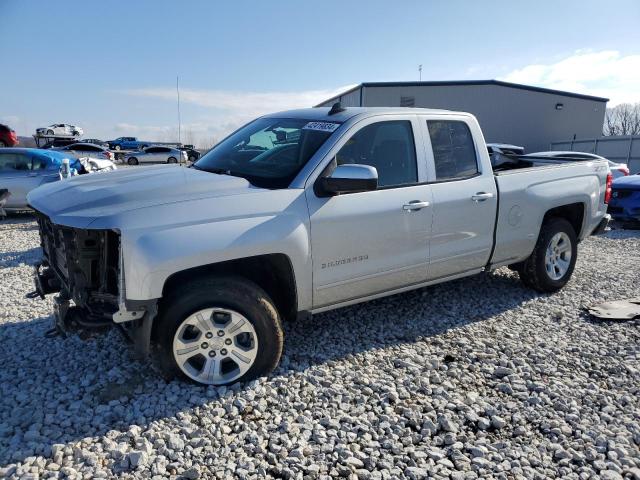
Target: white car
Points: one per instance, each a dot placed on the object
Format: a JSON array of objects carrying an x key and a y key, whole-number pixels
[
  {"x": 87, "y": 150},
  {"x": 156, "y": 154},
  {"x": 60, "y": 129},
  {"x": 617, "y": 169}
]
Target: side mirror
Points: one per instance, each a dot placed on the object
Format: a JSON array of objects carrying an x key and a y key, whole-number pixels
[{"x": 349, "y": 178}]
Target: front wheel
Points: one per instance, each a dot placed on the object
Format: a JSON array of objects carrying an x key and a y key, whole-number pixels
[
  {"x": 132, "y": 161},
  {"x": 116, "y": 147},
  {"x": 172, "y": 160},
  {"x": 218, "y": 331},
  {"x": 551, "y": 264},
  {"x": 49, "y": 132}
]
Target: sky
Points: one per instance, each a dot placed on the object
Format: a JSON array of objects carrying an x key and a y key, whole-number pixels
[{"x": 111, "y": 67}]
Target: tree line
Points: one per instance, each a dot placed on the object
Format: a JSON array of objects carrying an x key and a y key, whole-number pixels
[{"x": 623, "y": 119}]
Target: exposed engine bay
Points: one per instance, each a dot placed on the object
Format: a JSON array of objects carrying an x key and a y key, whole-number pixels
[{"x": 84, "y": 267}]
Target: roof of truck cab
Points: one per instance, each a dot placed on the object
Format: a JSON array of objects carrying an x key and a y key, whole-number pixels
[{"x": 322, "y": 113}]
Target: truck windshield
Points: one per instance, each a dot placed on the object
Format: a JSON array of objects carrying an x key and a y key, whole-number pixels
[{"x": 268, "y": 152}]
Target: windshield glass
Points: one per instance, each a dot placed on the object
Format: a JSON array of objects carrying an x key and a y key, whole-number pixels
[{"x": 269, "y": 152}]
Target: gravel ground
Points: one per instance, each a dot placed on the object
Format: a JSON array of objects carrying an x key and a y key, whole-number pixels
[{"x": 477, "y": 378}]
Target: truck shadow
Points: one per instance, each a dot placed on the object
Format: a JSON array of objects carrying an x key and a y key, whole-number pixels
[{"x": 91, "y": 387}]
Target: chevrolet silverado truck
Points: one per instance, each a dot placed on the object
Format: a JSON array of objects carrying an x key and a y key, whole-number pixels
[{"x": 297, "y": 213}]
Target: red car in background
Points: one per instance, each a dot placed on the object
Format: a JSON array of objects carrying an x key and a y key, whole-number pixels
[{"x": 8, "y": 137}]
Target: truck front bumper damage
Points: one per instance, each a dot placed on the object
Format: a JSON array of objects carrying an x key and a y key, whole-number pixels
[{"x": 85, "y": 268}]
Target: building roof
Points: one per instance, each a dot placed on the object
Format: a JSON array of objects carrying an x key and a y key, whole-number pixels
[{"x": 440, "y": 83}]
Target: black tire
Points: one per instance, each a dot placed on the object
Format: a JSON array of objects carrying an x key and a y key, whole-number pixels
[
  {"x": 50, "y": 132},
  {"x": 192, "y": 158},
  {"x": 229, "y": 292},
  {"x": 132, "y": 161},
  {"x": 2, "y": 145},
  {"x": 116, "y": 147},
  {"x": 533, "y": 272},
  {"x": 172, "y": 160}
]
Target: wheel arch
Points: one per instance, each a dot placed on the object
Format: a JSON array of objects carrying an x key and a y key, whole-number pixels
[
  {"x": 574, "y": 213},
  {"x": 272, "y": 272}
]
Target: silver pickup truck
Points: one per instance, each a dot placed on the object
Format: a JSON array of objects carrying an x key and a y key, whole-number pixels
[{"x": 297, "y": 213}]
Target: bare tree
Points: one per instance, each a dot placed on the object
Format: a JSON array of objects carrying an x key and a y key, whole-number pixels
[{"x": 623, "y": 119}]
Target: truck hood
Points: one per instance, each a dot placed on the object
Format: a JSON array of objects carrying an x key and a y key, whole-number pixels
[{"x": 78, "y": 201}]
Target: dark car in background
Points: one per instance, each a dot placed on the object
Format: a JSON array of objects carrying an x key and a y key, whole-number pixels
[
  {"x": 58, "y": 143},
  {"x": 624, "y": 205},
  {"x": 94, "y": 141},
  {"x": 8, "y": 137}
]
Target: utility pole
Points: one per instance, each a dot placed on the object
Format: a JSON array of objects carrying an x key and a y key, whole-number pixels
[
  {"x": 420, "y": 72},
  {"x": 179, "y": 121}
]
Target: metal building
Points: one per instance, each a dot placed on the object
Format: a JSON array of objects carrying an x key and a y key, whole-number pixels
[{"x": 532, "y": 117}]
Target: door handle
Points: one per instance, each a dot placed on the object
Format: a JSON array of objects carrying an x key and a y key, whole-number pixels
[
  {"x": 481, "y": 196},
  {"x": 415, "y": 205}
]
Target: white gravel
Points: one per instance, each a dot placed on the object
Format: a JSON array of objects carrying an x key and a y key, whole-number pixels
[{"x": 478, "y": 378}]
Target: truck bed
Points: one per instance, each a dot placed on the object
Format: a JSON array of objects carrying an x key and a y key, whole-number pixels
[{"x": 528, "y": 190}]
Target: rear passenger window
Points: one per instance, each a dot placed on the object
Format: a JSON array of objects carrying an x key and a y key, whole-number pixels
[
  {"x": 454, "y": 152},
  {"x": 387, "y": 146}
]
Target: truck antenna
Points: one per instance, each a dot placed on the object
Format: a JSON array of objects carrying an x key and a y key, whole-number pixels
[{"x": 336, "y": 108}]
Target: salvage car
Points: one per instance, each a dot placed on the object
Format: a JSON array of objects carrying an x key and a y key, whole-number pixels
[
  {"x": 297, "y": 213},
  {"x": 87, "y": 150},
  {"x": 156, "y": 154},
  {"x": 59, "y": 129},
  {"x": 23, "y": 169},
  {"x": 625, "y": 200}
]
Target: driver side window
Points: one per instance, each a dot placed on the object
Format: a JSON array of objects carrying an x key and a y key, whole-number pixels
[{"x": 389, "y": 147}]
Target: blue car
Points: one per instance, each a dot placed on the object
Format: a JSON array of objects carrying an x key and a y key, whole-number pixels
[
  {"x": 23, "y": 169},
  {"x": 624, "y": 205}
]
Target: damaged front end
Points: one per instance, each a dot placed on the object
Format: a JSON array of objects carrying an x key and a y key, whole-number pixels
[{"x": 85, "y": 268}]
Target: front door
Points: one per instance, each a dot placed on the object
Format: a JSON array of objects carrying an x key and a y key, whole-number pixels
[{"x": 370, "y": 242}]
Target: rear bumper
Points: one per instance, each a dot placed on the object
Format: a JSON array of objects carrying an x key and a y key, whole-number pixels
[{"x": 602, "y": 226}]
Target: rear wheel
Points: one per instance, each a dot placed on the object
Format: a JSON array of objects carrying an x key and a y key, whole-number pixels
[
  {"x": 132, "y": 161},
  {"x": 172, "y": 160},
  {"x": 218, "y": 331},
  {"x": 551, "y": 264},
  {"x": 116, "y": 147}
]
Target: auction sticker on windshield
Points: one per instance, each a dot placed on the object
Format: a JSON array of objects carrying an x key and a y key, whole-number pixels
[{"x": 321, "y": 126}]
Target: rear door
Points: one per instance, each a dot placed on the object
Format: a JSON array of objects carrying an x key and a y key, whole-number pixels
[
  {"x": 464, "y": 197},
  {"x": 17, "y": 176}
]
